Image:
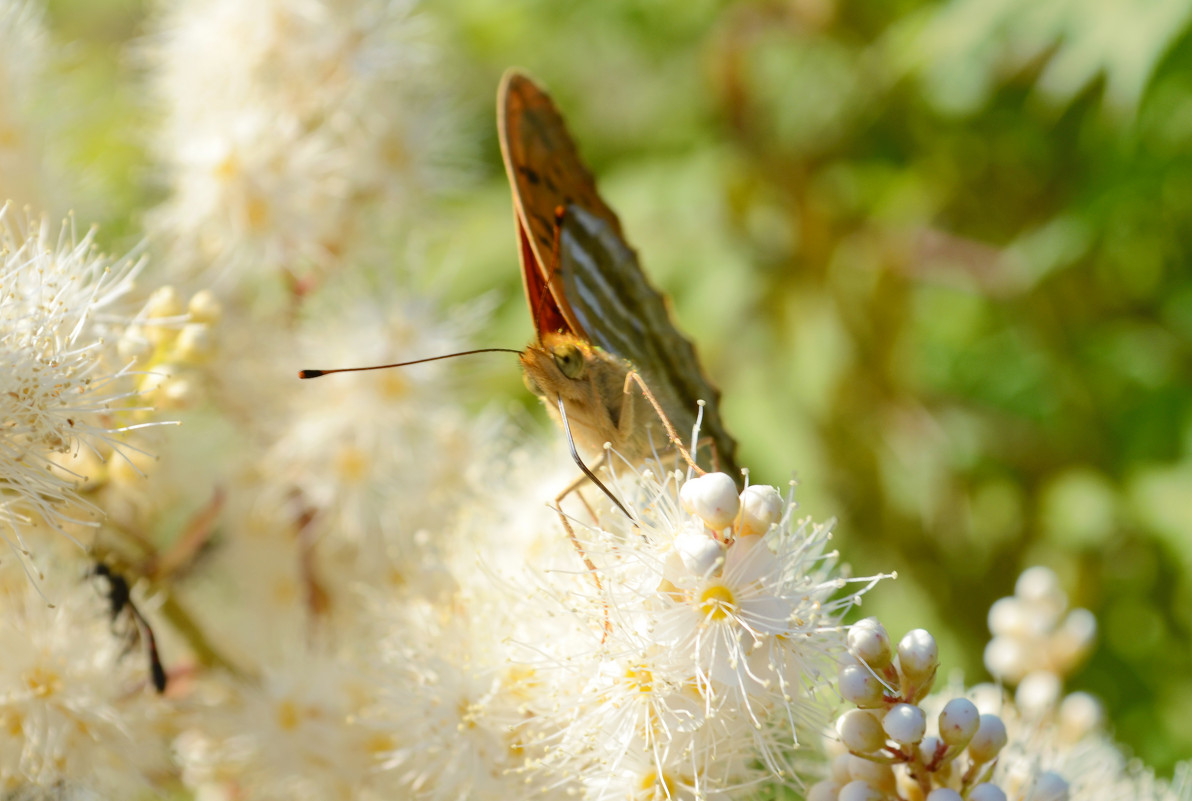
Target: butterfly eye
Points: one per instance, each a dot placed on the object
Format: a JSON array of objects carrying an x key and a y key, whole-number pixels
[{"x": 569, "y": 360}]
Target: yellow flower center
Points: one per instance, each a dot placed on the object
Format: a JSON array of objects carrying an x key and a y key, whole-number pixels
[{"x": 717, "y": 601}]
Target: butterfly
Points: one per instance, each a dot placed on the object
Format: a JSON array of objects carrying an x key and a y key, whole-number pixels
[{"x": 596, "y": 317}]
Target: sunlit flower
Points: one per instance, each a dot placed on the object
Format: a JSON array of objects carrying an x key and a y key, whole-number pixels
[
  {"x": 286, "y": 123},
  {"x": 75, "y": 686},
  {"x": 62, "y": 392},
  {"x": 699, "y": 663}
]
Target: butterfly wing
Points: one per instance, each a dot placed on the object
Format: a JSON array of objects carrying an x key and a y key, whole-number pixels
[{"x": 583, "y": 278}]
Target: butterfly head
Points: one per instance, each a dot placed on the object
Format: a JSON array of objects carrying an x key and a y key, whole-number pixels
[
  {"x": 556, "y": 365},
  {"x": 588, "y": 380}
]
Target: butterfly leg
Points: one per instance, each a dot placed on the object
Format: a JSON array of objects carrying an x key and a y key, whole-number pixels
[
  {"x": 588, "y": 475},
  {"x": 579, "y": 548},
  {"x": 626, "y": 423}
]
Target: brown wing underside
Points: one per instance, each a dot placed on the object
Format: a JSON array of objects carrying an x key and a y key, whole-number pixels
[{"x": 593, "y": 285}]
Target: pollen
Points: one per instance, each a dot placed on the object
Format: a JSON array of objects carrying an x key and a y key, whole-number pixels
[
  {"x": 42, "y": 683},
  {"x": 717, "y": 601}
]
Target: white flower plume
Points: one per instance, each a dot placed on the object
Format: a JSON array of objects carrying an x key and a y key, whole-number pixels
[
  {"x": 60, "y": 392},
  {"x": 681, "y": 676}
]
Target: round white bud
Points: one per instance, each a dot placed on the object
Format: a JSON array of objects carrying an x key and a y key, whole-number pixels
[
  {"x": 1010, "y": 616},
  {"x": 986, "y": 792},
  {"x": 918, "y": 654},
  {"x": 1049, "y": 786},
  {"x": 177, "y": 393},
  {"x": 859, "y": 686},
  {"x": 1080, "y": 715},
  {"x": 944, "y": 794},
  {"x": 761, "y": 508},
  {"x": 827, "y": 790},
  {"x": 876, "y": 774},
  {"x": 1007, "y": 658},
  {"x": 1037, "y": 583},
  {"x": 1038, "y": 692},
  {"x": 204, "y": 307},
  {"x": 1040, "y": 588},
  {"x": 700, "y": 553},
  {"x": 713, "y": 498},
  {"x": 868, "y": 641},
  {"x": 194, "y": 343},
  {"x": 839, "y": 770},
  {"x": 989, "y": 740},
  {"x": 860, "y": 791},
  {"x": 918, "y": 658},
  {"x": 164, "y": 302},
  {"x": 860, "y": 731},
  {"x": 905, "y": 724},
  {"x": 958, "y": 722},
  {"x": 928, "y": 747},
  {"x": 1073, "y": 639}
]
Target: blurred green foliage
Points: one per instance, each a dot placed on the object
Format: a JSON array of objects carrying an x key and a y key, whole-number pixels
[{"x": 935, "y": 254}]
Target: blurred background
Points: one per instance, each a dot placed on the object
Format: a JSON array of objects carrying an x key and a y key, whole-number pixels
[{"x": 936, "y": 256}]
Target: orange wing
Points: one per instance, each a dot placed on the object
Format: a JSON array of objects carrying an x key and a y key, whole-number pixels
[{"x": 581, "y": 276}]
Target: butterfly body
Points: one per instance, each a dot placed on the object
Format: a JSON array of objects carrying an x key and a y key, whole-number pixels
[
  {"x": 591, "y": 383},
  {"x": 596, "y": 316}
]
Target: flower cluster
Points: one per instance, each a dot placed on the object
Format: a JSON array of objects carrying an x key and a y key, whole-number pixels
[
  {"x": 285, "y": 125},
  {"x": 901, "y": 741},
  {"x": 354, "y": 588},
  {"x": 64, "y": 393},
  {"x": 701, "y": 643},
  {"x": 890, "y": 752},
  {"x": 1036, "y": 638}
]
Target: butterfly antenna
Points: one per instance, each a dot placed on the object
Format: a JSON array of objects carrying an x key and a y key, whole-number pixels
[
  {"x": 318, "y": 373},
  {"x": 586, "y": 471}
]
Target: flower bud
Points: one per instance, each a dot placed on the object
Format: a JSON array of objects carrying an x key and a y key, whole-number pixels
[
  {"x": 194, "y": 343},
  {"x": 944, "y": 794},
  {"x": 986, "y": 792},
  {"x": 918, "y": 658},
  {"x": 1048, "y": 786},
  {"x": 1007, "y": 658},
  {"x": 905, "y": 724},
  {"x": 839, "y": 769},
  {"x": 761, "y": 508},
  {"x": 164, "y": 302},
  {"x": 860, "y": 791},
  {"x": 868, "y": 641},
  {"x": 699, "y": 553},
  {"x": 859, "y": 686},
  {"x": 1080, "y": 715},
  {"x": 989, "y": 740},
  {"x": 860, "y": 731},
  {"x": 1039, "y": 588},
  {"x": 876, "y": 774},
  {"x": 827, "y": 790},
  {"x": 1073, "y": 639},
  {"x": 958, "y": 722},
  {"x": 204, "y": 307},
  {"x": 1010, "y": 616},
  {"x": 1039, "y": 692},
  {"x": 713, "y": 498}
]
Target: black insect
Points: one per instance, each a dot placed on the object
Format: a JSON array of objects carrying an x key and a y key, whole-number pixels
[{"x": 119, "y": 597}]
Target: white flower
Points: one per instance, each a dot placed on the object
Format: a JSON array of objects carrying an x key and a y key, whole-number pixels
[
  {"x": 61, "y": 394},
  {"x": 695, "y": 670},
  {"x": 286, "y": 122},
  {"x": 293, "y": 734},
  {"x": 74, "y": 689},
  {"x": 376, "y": 455}
]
